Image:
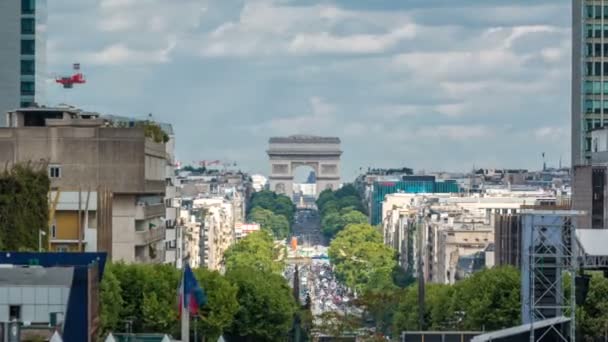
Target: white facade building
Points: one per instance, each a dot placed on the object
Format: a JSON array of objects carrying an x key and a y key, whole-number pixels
[{"x": 454, "y": 230}]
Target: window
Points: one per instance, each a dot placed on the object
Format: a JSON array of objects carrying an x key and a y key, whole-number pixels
[
  {"x": 597, "y": 30},
  {"x": 589, "y": 12},
  {"x": 27, "y": 88},
  {"x": 54, "y": 171},
  {"x": 28, "y": 47},
  {"x": 26, "y": 104},
  {"x": 588, "y": 50},
  {"x": 605, "y": 12},
  {"x": 587, "y": 144},
  {"x": 28, "y": 6},
  {"x": 605, "y": 108},
  {"x": 28, "y": 26},
  {"x": 598, "y": 69},
  {"x": 14, "y": 312},
  {"x": 597, "y": 51},
  {"x": 598, "y": 12},
  {"x": 588, "y": 69},
  {"x": 588, "y": 88},
  {"x": 62, "y": 248},
  {"x": 597, "y": 87},
  {"x": 605, "y": 87},
  {"x": 28, "y": 67},
  {"x": 595, "y": 145},
  {"x": 597, "y": 106},
  {"x": 605, "y": 68},
  {"x": 53, "y": 231},
  {"x": 606, "y": 48},
  {"x": 597, "y": 124},
  {"x": 589, "y": 31},
  {"x": 589, "y": 124}
]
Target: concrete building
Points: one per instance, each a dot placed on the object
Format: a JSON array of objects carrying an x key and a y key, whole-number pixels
[
  {"x": 86, "y": 154},
  {"x": 22, "y": 54}
]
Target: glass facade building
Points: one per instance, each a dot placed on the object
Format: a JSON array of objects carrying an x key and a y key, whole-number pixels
[
  {"x": 413, "y": 186},
  {"x": 22, "y": 54},
  {"x": 589, "y": 74}
]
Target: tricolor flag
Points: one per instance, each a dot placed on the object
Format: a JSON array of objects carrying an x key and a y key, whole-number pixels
[{"x": 191, "y": 295}]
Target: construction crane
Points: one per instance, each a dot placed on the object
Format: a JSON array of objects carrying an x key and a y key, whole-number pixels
[{"x": 76, "y": 78}]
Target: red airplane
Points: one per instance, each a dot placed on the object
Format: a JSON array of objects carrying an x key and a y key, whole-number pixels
[{"x": 69, "y": 81}]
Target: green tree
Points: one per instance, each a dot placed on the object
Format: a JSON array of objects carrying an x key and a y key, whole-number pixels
[
  {"x": 593, "y": 314},
  {"x": 24, "y": 206},
  {"x": 333, "y": 223},
  {"x": 359, "y": 256},
  {"x": 270, "y": 222},
  {"x": 256, "y": 250},
  {"x": 111, "y": 301},
  {"x": 489, "y": 299},
  {"x": 266, "y": 306},
  {"x": 324, "y": 197},
  {"x": 149, "y": 293},
  {"x": 218, "y": 314},
  {"x": 348, "y": 190},
  {"x": 353, "y": 202}
]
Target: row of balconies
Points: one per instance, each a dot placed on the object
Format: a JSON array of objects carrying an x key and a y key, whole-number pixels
[{"x": 146, "y": 211}]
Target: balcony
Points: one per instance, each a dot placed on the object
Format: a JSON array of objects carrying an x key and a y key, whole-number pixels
[
  {"x": 146, "y": 211},
  {"x": 146, "y": 237}
]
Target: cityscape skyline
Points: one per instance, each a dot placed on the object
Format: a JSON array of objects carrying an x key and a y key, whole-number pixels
[{"x": 224, "y": 64}]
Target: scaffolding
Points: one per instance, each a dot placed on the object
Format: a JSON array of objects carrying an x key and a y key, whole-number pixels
[{"x": 549, "y": 247}]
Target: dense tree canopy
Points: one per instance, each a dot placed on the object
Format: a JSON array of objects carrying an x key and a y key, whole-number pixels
[
  {"x": 147, "y": 295},
  {"x": 280, "y": 206},
  {"x": 592, "y": 316},
  {"x": 257, "y": 250},
  {"x": 273, "y": 223},
  {"x": 24, "y": 206},
  {"x": 360, "y": 257},
  {"x": 339, "y": 209},
  {"x": 334, "y": 222},
  {"x": 488, "y": 300},
  {"x": 266, "y": 306}
]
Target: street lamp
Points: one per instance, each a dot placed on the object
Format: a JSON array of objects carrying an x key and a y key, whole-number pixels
[{"x": 41, "y": 233}]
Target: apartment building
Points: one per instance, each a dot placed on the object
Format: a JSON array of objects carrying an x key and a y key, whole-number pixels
[
  {"x": 117, "y": 172},
  {"x": 447, "y": 233}
]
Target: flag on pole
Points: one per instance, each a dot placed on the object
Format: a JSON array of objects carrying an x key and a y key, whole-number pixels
[{"x": 191, "y": 295}]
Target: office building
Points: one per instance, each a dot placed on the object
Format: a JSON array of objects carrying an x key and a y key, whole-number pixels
[{"x": 22, "y": 54}]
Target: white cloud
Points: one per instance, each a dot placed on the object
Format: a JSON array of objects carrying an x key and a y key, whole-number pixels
[
  {"x": 362, "y": 43},
  {"x": 455, "y": 132},
  {"x": 122, "y": 54},
  {"x": 551, "y": 133}
]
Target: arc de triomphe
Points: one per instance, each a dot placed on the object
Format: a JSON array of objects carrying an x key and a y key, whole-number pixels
[{"x": 288, "y": 153}]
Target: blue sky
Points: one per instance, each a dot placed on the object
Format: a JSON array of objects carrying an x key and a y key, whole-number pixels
[{"x": 429, "y": 84}]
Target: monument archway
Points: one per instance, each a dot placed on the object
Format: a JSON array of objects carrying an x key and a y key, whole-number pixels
[{"x": 286, "y": 154}]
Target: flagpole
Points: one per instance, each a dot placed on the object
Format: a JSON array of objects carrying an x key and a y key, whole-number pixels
[{"x": 185, "y": 313}]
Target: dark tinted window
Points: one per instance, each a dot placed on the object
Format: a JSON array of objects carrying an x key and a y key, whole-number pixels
[
  {"x": 27, "y": 88},
  {"x": 28, "y": 67},
  {"x": 28, "y": 47},
  {"x": 28, "y": 26},
  {"x": 28, "y": 6}
]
